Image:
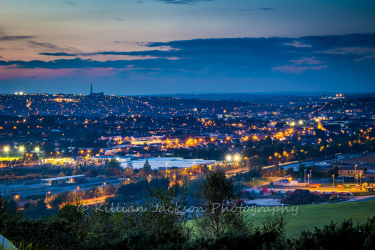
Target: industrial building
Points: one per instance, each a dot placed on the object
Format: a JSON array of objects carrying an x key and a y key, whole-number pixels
[
  {"x": 65, "y": 179},
  {"x": 167, "y": 162}
]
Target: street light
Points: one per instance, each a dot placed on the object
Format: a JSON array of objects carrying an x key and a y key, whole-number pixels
[
  {"x": 308, "y": 179},
  {"x": 229, "y": 157},
  {"x": 21, "y": 150},
  {"x": 37, "y": 151},
  {"x": 356, "y": 178},
  {"x": 6, "y": 150},
  {"x": 49, "y": 192},
  {"x": 333, "y": 182},
  {"x": 236, "y": 157}
]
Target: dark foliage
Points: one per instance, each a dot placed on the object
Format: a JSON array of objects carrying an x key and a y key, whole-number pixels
[{"x": 300, "y": 197}]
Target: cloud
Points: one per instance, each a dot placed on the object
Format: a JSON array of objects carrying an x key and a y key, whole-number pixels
[
  {"x": 183, "y": 1},
  {"x": 120, "y": 19},
  {"x": 4, "y": 37},
  {"x": 298, "y": 44},
  {"x": 292, "y": 69},
  {"x": 323, "y": 43},
  {"x": 70, "y": 3},
  {"x": 12, "y": 72},
  {"x": 222, "y": 57},
  {"x": 301, "y": 65},
  {"x": 261, "y": 9},
  {"x": 361, "y": 53},
  {"x": 306, "y": 60},
  {"x": 50, "y": 46},
  {"x": 351, "y": 50},
  {"x": 58, "y": 54}
]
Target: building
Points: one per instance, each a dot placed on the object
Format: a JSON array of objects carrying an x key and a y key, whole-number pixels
[
  {"x": 351, "y": 171},
  {"x": 167, "y": 163},
  {"x": 65, "y": 179}
]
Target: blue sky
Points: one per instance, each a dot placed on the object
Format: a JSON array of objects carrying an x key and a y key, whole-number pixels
[{"x": 176, "y": 46}]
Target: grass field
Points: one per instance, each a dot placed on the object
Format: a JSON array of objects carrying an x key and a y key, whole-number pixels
[
  {"x": 9, "y": 158},
  {"x": 309, "y": 216}
]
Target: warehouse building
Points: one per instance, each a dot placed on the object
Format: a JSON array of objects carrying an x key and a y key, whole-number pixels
[{"x": 167, "y": 163}]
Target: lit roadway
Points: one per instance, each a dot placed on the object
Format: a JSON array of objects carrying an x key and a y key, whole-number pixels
[
  {"x": 242, "y": 170},
  {"x": 93, "y": 201}
]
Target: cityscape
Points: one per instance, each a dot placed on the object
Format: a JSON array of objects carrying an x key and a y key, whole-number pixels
[{"x": 187, "y": 124}]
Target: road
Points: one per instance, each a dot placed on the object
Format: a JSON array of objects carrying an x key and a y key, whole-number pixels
[
  {"x": 92, "y": 201},
  {"x": 361, "y": 198},
  {"x": 242, "y": 170}
]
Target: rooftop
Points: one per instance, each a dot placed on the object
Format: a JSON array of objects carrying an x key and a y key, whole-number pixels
[{"x": 65, "y": 177}]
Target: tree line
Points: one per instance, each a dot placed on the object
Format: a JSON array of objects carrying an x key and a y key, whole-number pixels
[{"x": 157, "y": 226}]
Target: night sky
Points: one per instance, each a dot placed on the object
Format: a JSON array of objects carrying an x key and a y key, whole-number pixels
[{"x": 184, "y": 46}]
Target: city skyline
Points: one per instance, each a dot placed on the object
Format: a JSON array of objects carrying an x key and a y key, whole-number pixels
[{"x": 171, "y": 46}]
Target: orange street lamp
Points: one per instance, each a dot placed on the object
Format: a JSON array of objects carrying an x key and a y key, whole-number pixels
[
  {"x": 236, "y": 157},
  {"x": 308, "y": 179},
  {"x": 6, "y": 150}
]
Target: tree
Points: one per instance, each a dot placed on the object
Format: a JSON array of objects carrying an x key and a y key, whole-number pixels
[
  {"x": 160, "y": 173},
  {"x": 290, "y": 171},
  {"x": 48, "y": 121},
  {"x": 334, "y": 171},
  {"x": 277, "y": 166},
  {"x": 195, "y": 186},
  {"x": 220, "y": 213},
  {"x": 128, "y": 172},
  {"x": 93, "y": 172},
  {"x": 112, "y": 167},
  {"x": 147, "y": 167},
  {"x": 56, "y": 200},
  {"x": 257, "y": 161},
  {"x": 109, "y": 190},
  {"x": 163, "y": 209}
]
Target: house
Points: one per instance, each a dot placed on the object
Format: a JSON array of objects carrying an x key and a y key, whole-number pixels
[{"x": 351, "y": 171}]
